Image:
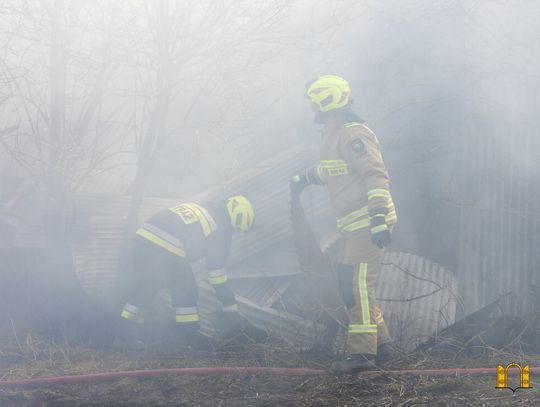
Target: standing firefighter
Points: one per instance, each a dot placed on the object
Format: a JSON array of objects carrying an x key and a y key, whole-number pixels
[
  {"x": 352, "y": 168},
  {"x": 163, "y": 248}
]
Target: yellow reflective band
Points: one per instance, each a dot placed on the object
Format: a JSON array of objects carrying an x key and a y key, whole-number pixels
[
  {"x": 187, "y": 318},
  {"x": 363, "y": 291},
  {"x": 230, "y": 308},
  {"x": 332, "y": 163},
  {"x": 131, "y": 316},
  {"x": 362, "y": 328},
  {"x": 191, "y": 213},
  {"x": 352, "y": 124},
  {"x": 353, "y": 216},
  {"x": 160, "y": 242},
  {"x": 334, "y": 168},
  {"x": 380, "y": 228},
  {"x": 378, "y": 193},
  {"x": 361, "y": 224},
  {"x": 218, "y": 280},
  {"x": 204, "y": 218}
]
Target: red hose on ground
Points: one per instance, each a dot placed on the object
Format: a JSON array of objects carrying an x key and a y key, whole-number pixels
[{"x": 200, "y": 371}]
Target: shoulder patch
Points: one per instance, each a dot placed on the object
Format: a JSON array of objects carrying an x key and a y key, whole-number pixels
[{"x": 357, "y": 147}]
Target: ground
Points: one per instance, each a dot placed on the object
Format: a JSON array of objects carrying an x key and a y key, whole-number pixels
[{"x": 37, "y": 359}]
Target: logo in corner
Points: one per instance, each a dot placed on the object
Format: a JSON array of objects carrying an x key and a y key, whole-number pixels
[{"x": 502, "y": 377}]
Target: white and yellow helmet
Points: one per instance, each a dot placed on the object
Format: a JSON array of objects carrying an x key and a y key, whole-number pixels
[
  {"x": 329, "y": 92},
  {"x": 241, "y": 213}
]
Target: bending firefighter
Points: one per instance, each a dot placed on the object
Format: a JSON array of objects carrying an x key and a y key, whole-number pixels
[
  {"x": 352, "y": 168},
  {"x": 163, "y": 248}
]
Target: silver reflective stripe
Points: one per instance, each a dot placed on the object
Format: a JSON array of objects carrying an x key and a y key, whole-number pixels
[
  {"x": 217, "y": 273},
  {"x": 185, "y": 310},
  {"x": 131, "y": 308},
  {"x": 209, "y": 218},
  {"x": 163, "y": 235}
]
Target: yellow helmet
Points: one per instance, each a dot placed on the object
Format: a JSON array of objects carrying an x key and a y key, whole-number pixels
[
  {"x": 329, "y": 92},
  {"x": 241, "y": 213}
]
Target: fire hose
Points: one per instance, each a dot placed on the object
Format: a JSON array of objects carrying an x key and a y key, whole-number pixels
[{"x": 205, "y": 371}]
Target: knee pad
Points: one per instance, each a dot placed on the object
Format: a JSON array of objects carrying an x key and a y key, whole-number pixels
[{"x": 346, "y": 284}]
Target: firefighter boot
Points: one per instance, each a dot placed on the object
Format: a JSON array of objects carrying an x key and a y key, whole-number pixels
[
  {"x": 188, "y": 334},
  {"x": 128, "y": 335},
  {"x": 385, "y": 353},
  {"x": 356, "y": 362}
]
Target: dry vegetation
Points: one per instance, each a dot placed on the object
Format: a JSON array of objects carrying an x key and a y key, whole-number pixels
[{"x": 35, "y": 359}]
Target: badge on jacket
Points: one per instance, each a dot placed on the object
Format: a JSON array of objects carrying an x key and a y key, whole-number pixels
[{"x": 358, "y": 147}]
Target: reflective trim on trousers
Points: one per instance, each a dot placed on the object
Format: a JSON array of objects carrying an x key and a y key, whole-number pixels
[
  {"x": 218, "y": 276},
  {"x": 363, "y": 292},
  {"x": 186, "y": 314},
  {"x": 132, "y": 313},
  {"x": 362, "y": 328}
]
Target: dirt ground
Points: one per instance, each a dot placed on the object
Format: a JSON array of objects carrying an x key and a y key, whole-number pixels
[{"x": 34, "y": 359}]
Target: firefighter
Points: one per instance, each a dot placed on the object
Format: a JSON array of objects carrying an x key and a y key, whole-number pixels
[
  {"x": 164, "y": 247},
  {"x": 352, "y": 169}
]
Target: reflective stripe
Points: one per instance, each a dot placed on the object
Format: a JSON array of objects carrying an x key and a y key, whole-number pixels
[
  {"x": 191, "y": 213},
  {"x": 218, "y": 276},
  {"x": 379, "y": 319},
  {"x": 353, "y": 221},
  {"x": 353, "y": 216},
  {"x": 132, "y": 308},
  {"x": 187, "y": 318},
  {"x": 378, "y": 193},
  {"x": 334, "y": 168},
  {"x": 217, "y": 272},
  {"x": 230, "y": 308},
  {"x": 186, "y": 314},
  {"x": 209, "y": 219},
  {"x": 218, "y": 280},
  {"x": 185, "y": 310},
  {"x": 380, "y": 228},
  {"x": 363, "y": 292},
  {"x": 174, "y": 246},
  {"x": 361, "y": 224},
  {"x": 132, "y": 313},
  {"x": 362, "y": 328},
  {"x": 352, "y": 124},
  {"x": 207, "y": 222}
]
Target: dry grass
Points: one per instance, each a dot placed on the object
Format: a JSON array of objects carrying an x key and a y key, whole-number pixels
[{"x": 34, "y": 358}]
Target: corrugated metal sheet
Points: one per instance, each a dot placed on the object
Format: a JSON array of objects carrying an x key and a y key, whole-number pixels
[
  {"x": 500, "y": 218},
  {"x": 418, "y": 298}
]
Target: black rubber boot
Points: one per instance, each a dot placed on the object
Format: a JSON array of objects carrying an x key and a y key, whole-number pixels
[
  {"x": 385, "y": 353},
  {"x": 128, "y": 335},
  {"x": 356, "y": 362},
  {"x": 188, "y": 334}
]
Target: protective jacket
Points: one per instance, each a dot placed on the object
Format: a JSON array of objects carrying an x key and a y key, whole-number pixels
[
  {"x": 192, "y": 231},
  {"x": 163, "y": 249},
  {"x": 352, "y": 168}
]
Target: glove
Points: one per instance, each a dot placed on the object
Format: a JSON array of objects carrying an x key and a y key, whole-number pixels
[
  {"x": 298, "y": 183},
  {"x": 380, "y": 234}
]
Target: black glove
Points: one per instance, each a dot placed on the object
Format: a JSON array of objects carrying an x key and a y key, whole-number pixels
[
  {"x": 298, "y": 183},
  {"x": 380, "y": 234}
]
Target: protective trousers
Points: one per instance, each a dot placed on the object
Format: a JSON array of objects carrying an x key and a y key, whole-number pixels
[
  {"x": 358, "y": 271},
  {"x": 155, "y": 268}
]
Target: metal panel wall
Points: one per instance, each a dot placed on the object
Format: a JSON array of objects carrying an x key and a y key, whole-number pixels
[{"x": 500, "y": 217}]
